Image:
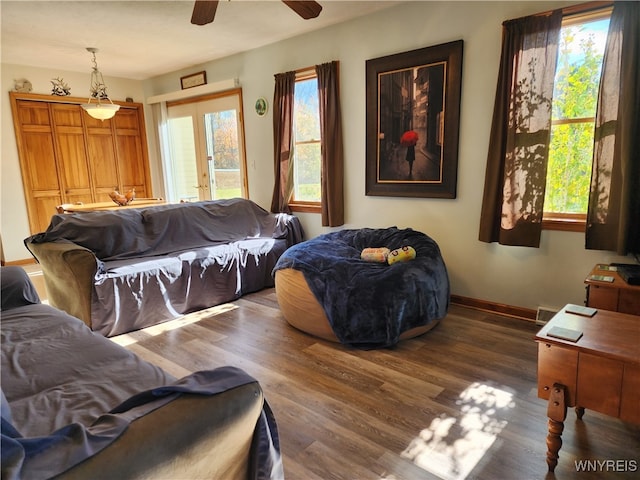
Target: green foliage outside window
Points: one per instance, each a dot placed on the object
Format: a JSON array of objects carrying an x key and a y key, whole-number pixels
[
  {"x": 574, "y": 108},
  {"x": 307, "y": 168}
]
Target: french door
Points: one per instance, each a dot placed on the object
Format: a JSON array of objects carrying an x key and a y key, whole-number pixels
[{"x": 206, "y": 149}]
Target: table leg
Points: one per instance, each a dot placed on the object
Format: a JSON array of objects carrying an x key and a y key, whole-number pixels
[{"x": 557, "y": 413}]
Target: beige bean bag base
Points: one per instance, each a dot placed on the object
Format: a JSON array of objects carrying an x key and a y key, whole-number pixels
[{"x": 301, "y": 309}]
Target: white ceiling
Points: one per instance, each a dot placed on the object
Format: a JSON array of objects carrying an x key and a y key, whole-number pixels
[{"x": 142, "y": 39}]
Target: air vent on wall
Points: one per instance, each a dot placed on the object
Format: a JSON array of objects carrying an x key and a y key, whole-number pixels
[{"x": 544, "y": 314}]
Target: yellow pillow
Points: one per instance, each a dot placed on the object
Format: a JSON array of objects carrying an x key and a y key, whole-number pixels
[{"x": 403, "y": 254}]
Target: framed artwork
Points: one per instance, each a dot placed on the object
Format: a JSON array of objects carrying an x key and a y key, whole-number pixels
[
  {"x": 413, "y": 116},
  {"x": 193, "y": 80}
]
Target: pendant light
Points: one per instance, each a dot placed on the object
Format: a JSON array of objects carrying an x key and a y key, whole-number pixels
[{"x": 98, "y": 92}]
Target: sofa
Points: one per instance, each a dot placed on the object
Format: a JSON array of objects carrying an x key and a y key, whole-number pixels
[
  {"x": 126, "y": 269},
  {"x": 76, "y": 405}
]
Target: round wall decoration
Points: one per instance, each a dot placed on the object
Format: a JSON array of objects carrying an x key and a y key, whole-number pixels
[{"x": 261, "y": 106}]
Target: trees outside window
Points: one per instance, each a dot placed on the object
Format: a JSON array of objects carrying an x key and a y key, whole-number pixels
[
  {"x": 575, "y": 96},
  {"x": 306, "y": 137}
]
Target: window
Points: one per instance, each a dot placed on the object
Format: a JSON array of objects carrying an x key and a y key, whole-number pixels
[
  {"x": 306, "y": 138},
  {"x": 576, "y": 84}
]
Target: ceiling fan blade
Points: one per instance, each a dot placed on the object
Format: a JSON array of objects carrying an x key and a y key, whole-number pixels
[
  {"x": 306, "y": 9},
  {"x": 204, "y": 12}
]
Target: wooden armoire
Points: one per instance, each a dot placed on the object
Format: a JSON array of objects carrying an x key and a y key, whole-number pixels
[{"x": 66, "y": 156}]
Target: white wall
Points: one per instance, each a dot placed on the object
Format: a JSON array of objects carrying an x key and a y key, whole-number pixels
[{"x": 549, "y": 276}]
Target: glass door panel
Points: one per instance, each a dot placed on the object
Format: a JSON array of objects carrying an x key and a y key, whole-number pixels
[
  {"x": 183, "y": 168},
  {"x": 206, "y": 150},
  {"x": 223, "y": 154}
]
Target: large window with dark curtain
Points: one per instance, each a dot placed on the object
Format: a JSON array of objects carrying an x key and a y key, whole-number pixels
[
  {"x": 613, "y": 218},
  {"x": 331, "y": 143},
  {"x": 517, "y": 159},
  {"x": 519, "y": 144}
]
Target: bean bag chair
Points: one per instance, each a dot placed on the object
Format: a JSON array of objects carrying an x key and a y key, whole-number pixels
[{"x": 362, "y": 303}]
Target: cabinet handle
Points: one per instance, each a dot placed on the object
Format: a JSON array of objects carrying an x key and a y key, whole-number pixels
[{"x": 546, "y": 388}]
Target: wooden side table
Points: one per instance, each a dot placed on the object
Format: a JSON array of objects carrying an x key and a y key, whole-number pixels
[
  {"x": 617, "y": 295},
  {"x": 600, "y": 371}
]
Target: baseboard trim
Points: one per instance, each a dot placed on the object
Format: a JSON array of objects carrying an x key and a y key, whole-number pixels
[
  {"x": 499, "y": 308},
  {"x": 26, "y": 261}
]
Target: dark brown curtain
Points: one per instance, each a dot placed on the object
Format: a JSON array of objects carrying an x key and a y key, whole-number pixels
[
  {"x": 283, "y": 140},
  {"x": 331, "y": 146},
  {"x": 516, "y": 171},
  {"x": 613, "y": 219}
]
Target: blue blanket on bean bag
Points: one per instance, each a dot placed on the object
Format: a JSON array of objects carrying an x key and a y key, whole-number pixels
[{"x": 369, "y": 305}]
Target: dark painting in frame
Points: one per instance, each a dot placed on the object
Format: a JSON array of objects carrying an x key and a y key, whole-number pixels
[{"x": 413, "y": 117}]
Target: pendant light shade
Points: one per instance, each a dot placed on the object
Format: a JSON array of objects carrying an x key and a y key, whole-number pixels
[{"x": 100, "y": 109}]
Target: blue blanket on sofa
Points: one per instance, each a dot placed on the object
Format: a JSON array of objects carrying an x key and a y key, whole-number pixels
[{"x": 369, "y": 305}]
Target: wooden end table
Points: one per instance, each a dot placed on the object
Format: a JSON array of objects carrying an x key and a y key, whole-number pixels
[
  {"x": 600, "y": 371},
  {"x": 616, "y": 295}
]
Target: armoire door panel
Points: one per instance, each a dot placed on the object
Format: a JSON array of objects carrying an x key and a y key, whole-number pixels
[
  {"x": 130, "y": 159},
  {"x": 79, "y": 197},
  {"x": 67, "y": 115},
  {"x": 73, "y": 156},
  {"x": 103, "y": 161},
  {"x": 40, "y": 157},
  {"x": 33, "y": 113},
  {"x": 128, "y": 119},
  {"x": 44, "y": 207}
]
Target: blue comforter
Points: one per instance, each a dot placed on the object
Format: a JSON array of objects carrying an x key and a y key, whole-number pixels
[{"x": 369, "y": 305}]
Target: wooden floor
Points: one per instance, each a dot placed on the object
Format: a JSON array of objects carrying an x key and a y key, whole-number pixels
[{"x": 456, "y": 403}]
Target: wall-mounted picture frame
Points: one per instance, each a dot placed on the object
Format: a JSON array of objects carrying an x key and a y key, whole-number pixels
[
  {"x": 193, "y": 80},
  {"x": 413, "y": 117}
]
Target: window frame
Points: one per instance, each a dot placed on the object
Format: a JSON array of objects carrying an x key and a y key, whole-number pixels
[
  {"x": 301, "y": 205},
  {"x": 574, "y": 222}
]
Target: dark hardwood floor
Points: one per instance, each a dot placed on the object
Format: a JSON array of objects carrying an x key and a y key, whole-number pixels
[{"x": 456, "y": 403}]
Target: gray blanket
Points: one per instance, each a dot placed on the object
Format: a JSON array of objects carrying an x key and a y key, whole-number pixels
[
  {"x": 157, "y": 263},
  {"x": 165, "y": 229}
]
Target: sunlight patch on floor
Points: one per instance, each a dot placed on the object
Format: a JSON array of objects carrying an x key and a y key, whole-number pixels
[
  {"x": 452, "y": 446},
  {"x": 189, "y": 319}
]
